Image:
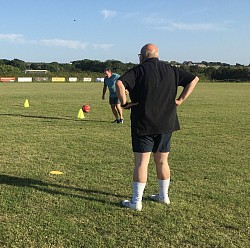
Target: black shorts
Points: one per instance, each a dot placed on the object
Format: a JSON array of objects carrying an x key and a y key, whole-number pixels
[
  {"x": 114, "y": 100},
  {"x": 151, "y": 143}
]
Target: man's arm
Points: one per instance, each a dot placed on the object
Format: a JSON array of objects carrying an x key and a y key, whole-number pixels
[
  {"x": 121, "y": 93},
  {"x": 186, "y": 91},
  {"x": 104, "y": 91}
]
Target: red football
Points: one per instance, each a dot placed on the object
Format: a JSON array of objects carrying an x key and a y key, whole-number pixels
[{"x": 86, "y": 108}]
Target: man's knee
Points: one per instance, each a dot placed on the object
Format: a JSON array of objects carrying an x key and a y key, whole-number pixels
[{"x": 161, "y": 158}]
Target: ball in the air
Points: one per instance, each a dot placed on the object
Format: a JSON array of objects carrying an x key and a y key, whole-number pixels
[{"x": 85, "y": 108}]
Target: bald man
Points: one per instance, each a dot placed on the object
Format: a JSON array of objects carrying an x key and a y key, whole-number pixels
[{"x": 152, "y": 87}]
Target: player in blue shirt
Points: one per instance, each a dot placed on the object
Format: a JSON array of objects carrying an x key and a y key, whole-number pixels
[{"x": 109, "y": 81}]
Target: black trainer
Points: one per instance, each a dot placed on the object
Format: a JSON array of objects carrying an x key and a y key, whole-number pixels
[{"x": 115, "y": 121}]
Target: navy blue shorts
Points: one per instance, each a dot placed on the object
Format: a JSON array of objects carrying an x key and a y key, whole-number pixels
[
  {"x": 114, "y": 100},
  {"x": 151, "y": 143}
]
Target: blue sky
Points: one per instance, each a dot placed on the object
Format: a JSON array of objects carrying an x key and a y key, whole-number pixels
[{"x": 68, "y": 30}]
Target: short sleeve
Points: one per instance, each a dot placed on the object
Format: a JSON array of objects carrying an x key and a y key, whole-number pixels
[
  {"x": 185, "y": 78},
  {"x": 128, "y": 79}
]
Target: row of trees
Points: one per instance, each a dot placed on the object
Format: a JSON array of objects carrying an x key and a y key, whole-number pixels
[
  {"x": 94, "y": 68},
  {"x": 221, "y": 73}
]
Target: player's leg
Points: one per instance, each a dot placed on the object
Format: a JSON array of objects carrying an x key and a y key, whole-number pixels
[
  {"x": 118, "y": 109},
  {"x": 162, "y": 167},
  {"x": 120, "y": 113},
  {"x": 139, "y": 180},
  {"x": 142, "y": 148},
  {"x": 163, "y": 175},
  {"x": 161, "y": 153},
  {"x": 115, "y": 113},
  {"x": 141, "y": 166}
]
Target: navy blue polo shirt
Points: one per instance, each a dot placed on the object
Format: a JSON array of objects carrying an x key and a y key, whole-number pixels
[{"x": 153, "y": 84}]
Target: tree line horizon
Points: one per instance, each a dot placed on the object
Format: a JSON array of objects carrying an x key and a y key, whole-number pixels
[{"x": 215, "y": 71}]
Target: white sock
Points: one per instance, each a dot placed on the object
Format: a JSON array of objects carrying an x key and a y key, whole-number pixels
[
  {"x": 163, "y": 188},
  {"x": 138, "y": 189}
]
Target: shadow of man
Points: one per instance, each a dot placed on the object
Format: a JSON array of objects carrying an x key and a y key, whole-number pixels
[{"x": 57, "y": 189}]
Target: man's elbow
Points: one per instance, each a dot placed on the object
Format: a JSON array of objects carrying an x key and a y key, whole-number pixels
[
  {"x": 118, "y": 83},
  {"x": 195, "y": 81}
]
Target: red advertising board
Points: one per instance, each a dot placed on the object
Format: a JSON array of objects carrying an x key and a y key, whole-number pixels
[{"x": 7, "y": 79}]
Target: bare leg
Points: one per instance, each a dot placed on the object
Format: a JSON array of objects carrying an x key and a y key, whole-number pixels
[
  {"x": 163, "y": 174},
  {"x": 162, "y": 167},
  {"x": 141, "y": 167},
  {"x": 114, "y": 111},
  {"x": 119, "y": 110},
  {"x": 139, "y": 179}
]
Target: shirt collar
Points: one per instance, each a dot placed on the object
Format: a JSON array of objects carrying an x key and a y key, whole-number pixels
[{"x": 151, "y": 59}]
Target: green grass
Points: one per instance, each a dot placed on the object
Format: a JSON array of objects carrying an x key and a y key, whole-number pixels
[{"x": 209, "y": 162}]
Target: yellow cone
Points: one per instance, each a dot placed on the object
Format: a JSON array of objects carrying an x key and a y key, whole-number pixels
[
  {"x": 56, "y": 173},
  {"x": 26, "y": 103},
  {"x": 80, "y": 114}
]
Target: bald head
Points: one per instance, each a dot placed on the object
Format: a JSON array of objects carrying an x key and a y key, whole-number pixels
[{"x": 149, "y": 51}]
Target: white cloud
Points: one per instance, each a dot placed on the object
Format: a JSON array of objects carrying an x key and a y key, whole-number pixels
[
  {"x": 63, "y": 43},
  {"x": 196, "y": 11},
  {"x": 161, "y": 23},
  {"x": 108, "y": 13},
  {"x": 105, "y": 47},
  {"x": 71, "y": 44},
  {"x": 193, "y": 26},
  {"x": 19, "y": 38},
  {"x": 12, "y": 37}
]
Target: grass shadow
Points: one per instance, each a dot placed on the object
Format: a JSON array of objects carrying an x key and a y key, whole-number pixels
[
  {"x": 51, "y": 118},
  {"x": 36, "y": 116},
  {"x": 87, "y": 194}
]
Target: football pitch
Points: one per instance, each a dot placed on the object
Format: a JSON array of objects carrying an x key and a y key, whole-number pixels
[{"x": 209, "y": 161}]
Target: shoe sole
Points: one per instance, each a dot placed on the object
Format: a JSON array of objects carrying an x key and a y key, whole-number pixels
[
  {"x": 159, "y": 201},
  {"x": 124, "y": 204}
]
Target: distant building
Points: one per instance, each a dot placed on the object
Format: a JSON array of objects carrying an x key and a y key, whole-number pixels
[
  {"x": 99, "y": 80},
  {"x": 200, "y": 65},
  {"x": 36, "y": 71},
  {"x": 190, "y": 63}
]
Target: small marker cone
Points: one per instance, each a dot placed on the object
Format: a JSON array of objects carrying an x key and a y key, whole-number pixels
[
  {"x": 26, "y": 103},
  {"x": 56, "y": 172},
  {"x": 80, "y": 114}
]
